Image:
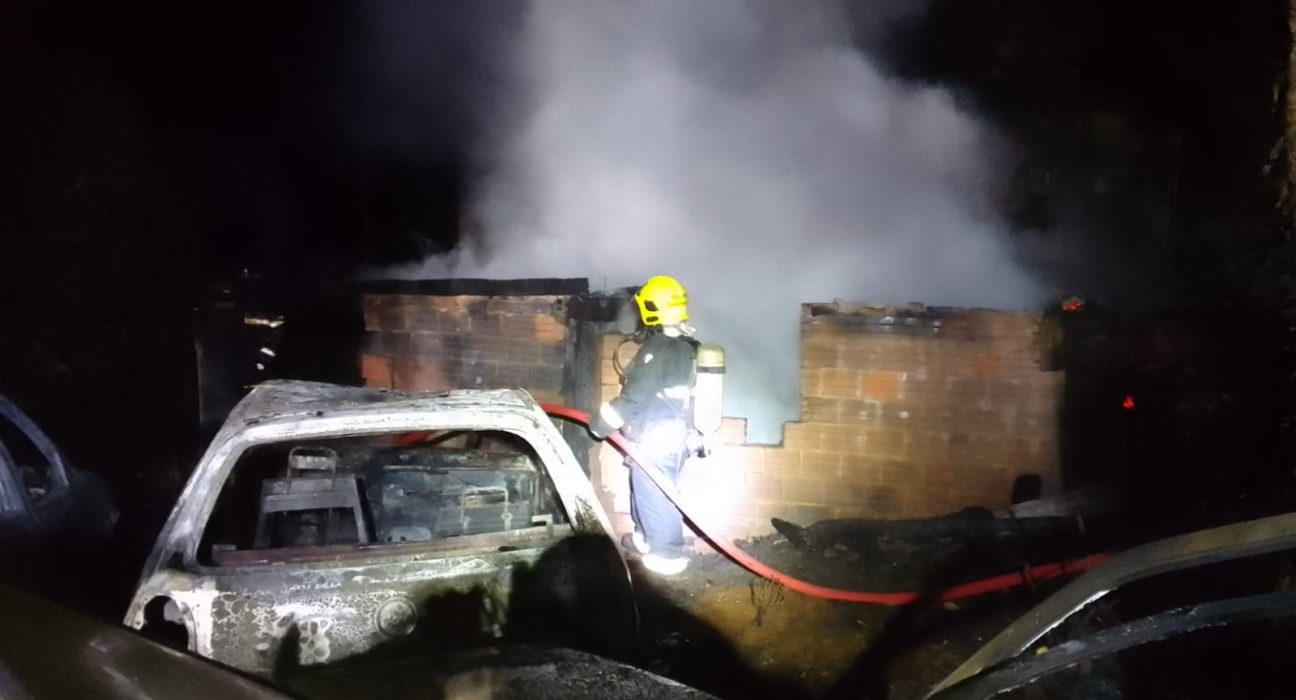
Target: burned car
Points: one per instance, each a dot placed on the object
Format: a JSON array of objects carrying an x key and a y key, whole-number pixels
[
  {"x": 326, "y": 522},
  {"x": 54, "y": 519},
  {"x": 49, "y": 651},
  {"x": 1251, "y": 564}
]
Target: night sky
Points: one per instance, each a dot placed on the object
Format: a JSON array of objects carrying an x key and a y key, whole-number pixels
[
  {"x": 301, "y": 142},
  {"x": 154, "y": 150}
]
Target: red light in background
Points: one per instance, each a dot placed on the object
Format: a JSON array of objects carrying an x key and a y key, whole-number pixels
[
  {"x": 1073, "y": 304},
  {"x": 1128, "y": 403}
]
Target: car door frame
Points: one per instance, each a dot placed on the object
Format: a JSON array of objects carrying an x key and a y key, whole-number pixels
[
  {"x": 12, "y": 489},
  {"x": 174, "y": 565}
]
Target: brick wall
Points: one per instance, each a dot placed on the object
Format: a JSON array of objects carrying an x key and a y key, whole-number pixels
[
  {"x": 433, "y": 343},
  {"x": 904, "y": 413}
]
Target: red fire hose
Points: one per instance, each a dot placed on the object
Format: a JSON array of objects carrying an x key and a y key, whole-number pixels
[{"x": 1034, "y": 574}]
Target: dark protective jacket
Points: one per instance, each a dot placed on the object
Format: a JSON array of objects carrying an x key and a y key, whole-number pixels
[{"x": 658, "y": 384}]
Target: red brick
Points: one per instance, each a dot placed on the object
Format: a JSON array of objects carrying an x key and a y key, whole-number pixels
[
  {"x": 928, "y": 500},
  {"x": 975, "y": 448},
  {"x": 546, "y": 396},
  {"x": 819, "y": 410},
  {"x": 815, "y": 337},
  {"x": 820, "y": 464},
  {"x": 883, "y": 442},
  {"x": 927, "y": 446},
  {"x": 802, "y": 436},
  {"x": 414, "y": 375},
  {"x": 941, "y": 474},
  {"x": 523, "y": 305},
  {"x": 884, "y": 500},
  {"x": 810, "y": 514},
  {"x": 881, "y": 386},
  {"x": 899, "y": 471},
  {"x": 376, "y": 312},
  {"x": 376, "y": 370},
  {"x": 403, "y": 312},
  {"x": 847, "y": 493},
  {"x": 542, "y": 376},
  {"x": 819, "y": 358},
  {"x": 986, "y": 365},
  {"x": 825, "y": 410},
  {"x": 780, "y": 460},
  {"x": 842, "y": 438},
  {"x": 860, "y": 468},
  {"x": 805, "y": 489},
  {"x": 764, "y": 487},
  {"x": 880, "y": 410},
  {"x": 516, "y": 353},
  {"x": 732, "y": 431},
  {"x": 444, "y": 304},
  {"x": 547, "y": 329},
  {"x": 390, "y": 306},
  {"x": 516, "y": 326},
  {"x": 810, "y": 383},
  {"x": 839, "y": 383}
]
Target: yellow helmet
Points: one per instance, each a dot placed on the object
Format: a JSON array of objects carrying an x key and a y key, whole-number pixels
[{"x": 662, "y": 302}]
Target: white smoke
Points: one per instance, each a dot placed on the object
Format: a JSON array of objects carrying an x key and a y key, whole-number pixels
[{"x": 749, "y": 150}]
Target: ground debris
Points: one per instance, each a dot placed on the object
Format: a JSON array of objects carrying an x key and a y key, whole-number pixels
[{"x": 819, "y": 647}]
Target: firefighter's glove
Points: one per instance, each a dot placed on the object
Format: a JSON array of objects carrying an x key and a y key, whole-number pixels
[{"x": 697, "y": 444}]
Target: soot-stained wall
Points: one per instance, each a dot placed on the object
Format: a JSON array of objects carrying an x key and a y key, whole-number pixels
[{"x": 905, "y": 412}]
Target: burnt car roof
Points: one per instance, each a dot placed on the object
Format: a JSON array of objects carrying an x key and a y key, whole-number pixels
[
  {"x": 52, "y": 651},
  {"x": 283, "y": 398},
  {"x": 1204, "y": 547}
]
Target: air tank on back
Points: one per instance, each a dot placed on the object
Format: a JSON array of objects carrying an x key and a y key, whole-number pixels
[{"x": 708, "y": 388}]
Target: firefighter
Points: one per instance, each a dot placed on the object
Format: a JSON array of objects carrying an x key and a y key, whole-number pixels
[{"x": 654, "y": 410}]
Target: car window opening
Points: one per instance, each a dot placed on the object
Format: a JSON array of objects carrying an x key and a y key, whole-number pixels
[
  {"x": 34, "y": 468},
  {"x": 284, "y": 501}
]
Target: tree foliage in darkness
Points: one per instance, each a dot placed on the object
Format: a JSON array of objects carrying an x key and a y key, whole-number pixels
[{"x": 1151, "y": 128}]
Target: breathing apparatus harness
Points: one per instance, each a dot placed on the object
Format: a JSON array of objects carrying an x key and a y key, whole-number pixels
[
  {"x": 638, "y": 338},
  {"x": 703, "y": 406}
]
